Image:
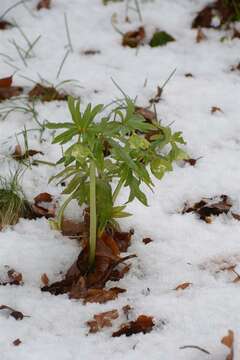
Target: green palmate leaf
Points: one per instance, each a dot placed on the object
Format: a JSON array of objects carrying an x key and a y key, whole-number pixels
[
  {"x": 123, "y": 155},
  {"x": 177, "y": 154},
  {"x": 74, "y": 109},
  {"x": 73, "y": 184},
  {"x": 137, "y": 122},
  {"x": 117, "y": 212},
  {"x": 177, "y": 137},
  {"x": 159, "y": 166},
  {"x": 66, "y": 172},
  {"x": 135, "y": 191},
  {"x": 160, "y": 38},
  {"x": 65, "y": 136},
  {"x": 138, "y": 142},
  {"x": 63, "y": 125},
  {"x": 109, "y": 128},
  {"x": 79, "y": 152},
  {"x": 82, "y": 193}
]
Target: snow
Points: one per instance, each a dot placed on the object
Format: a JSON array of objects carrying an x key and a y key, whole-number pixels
[{"x": 184, "y": 249}]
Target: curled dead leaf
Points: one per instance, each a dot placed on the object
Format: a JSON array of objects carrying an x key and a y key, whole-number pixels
[
  {"x": 17, "y": 342},
  {"x": 228, "y": 341},
  {"x": 5, "y": 25},
  {"x": 45, "y": 279},
  {"x": 19, "y": 155},
  {"x": 101, "y": 296},
  {"x": 148, "y": 115},
  {"x": 143, "y": 324},
  {"x": 15, "y": 277},
  {"x": 215, "y": 109},
  {"x": 44, "y": 4},
  {"x": 219, "y": 9},
  {"x": 17, "y": 315},
  {"x": 192, "y": 162},
  {"x": 40, "y": 208},
  {"x": 46, "y": 93},
  {"x": 102, "y": 320},
  {"x": 183, "y": 286},
  {"x": 200, "y": 36},
  {"x": 7, "y": 90},
  {"x": 134, "y": 38},
  {"x": 207, "y": 207},
  {"x": 147, "y": 241}
]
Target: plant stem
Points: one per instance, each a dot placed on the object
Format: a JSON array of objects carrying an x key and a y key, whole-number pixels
[
  {"x": 62, "y": 209},
  {"x": 93, "y": 215},
  {"x": 117, "y": 189}
]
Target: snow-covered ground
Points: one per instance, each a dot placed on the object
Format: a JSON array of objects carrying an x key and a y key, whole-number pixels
[{"x": 185, "y": 249}]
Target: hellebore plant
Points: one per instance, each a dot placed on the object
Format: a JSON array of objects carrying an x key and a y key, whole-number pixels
[{"x": 120, "y": 146}]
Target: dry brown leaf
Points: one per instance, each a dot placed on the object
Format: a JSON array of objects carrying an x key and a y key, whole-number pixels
[
  {"x": 157, "y": 96},
  {"x": 228, "y": 341},
  {"x": 118, "y": 274},
  {"x": 15, "y": 278},
  {"x": 147, "y": 240},
  {"x": 183, "y": 286},
  {"x": 192, "y": 162},
  {"x": 189, "y": 75},
  {"x": 205, "y": 208},
  {"x": 134, "y": 38},
  {"x": 19, "y": 155},
  {"x": 143, "y": 324},
  {"x": 102, "y": 320},
  {"x": 205, "y": 16},
  {"x": 101, "y": 296},
  {"x": 17, "y": 315},
  {"x": 45, "y": 279},
  {"x": 148, "y": 115},
  {"x": 5, "y": 25},
  {"x": 7, "y": 90},
  {"x": 215, "y": 109},
  {"x": 73, "y": 229},
  {"x": 17, "y": 342},
  {"x": 236, "y": 216},
  {"x": 81, "y": 283},
  {"x": 43, "y": 197},
  {"x": 91, "y": 52},
  {"x": 46, "y": 93},
  {"x": 41, "y": 210},
  {"x": 44, "y": 4},
  {"x": 200, "y": 36},
  {"x": 123, "y": 239}
]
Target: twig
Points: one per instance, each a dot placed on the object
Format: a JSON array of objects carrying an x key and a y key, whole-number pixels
[{"x": 195, "y": 347}]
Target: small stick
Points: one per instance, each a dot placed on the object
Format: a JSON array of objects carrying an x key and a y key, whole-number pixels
[{"x": 194, "y": 347}]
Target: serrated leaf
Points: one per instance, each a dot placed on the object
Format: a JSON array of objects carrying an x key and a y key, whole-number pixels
[
  {"x": 54, "y": 126},
  {"x": 65, "y": 136},
  {"x": 73, "y": 184},
  {"x": 138, "y": 142},
  {"x": 159, "y": 166},
  {"x": 160, "y": 38}
]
